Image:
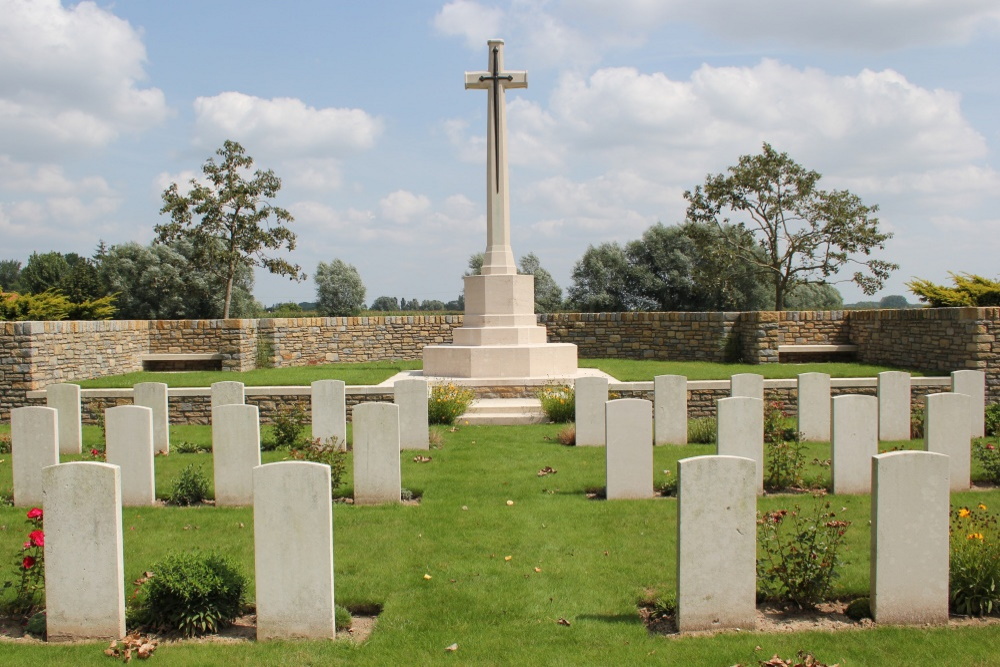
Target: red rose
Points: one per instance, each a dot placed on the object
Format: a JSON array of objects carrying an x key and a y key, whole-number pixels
[
  {"x": 28, "y": 562},
  {"x": 94, "y": 452},
  {"x": 37, "y": 538},
  {"x": 35, "y": 513}
]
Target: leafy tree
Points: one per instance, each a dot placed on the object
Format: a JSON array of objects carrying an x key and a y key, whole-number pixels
[
  {"x": 814, "y": 296},
  {"x": 234, "y": 228},
  {"x": 43, "y": 272},
  {"x": 339, "y": 289},
  {"x": 602, "y": 281},
  {"x": 476, "y": 264},
  {"x": 432, "y": 304},
  {"x": 801, "y": 234},
  {"x": 548, "y": 295},
  {"x": 893, "y": 302},
  {"x": 969, "y": 290},
  {"x": 10, "y": 272},
  {"x": 159, "y": 282},
  {"x": 385, "y": 303}
]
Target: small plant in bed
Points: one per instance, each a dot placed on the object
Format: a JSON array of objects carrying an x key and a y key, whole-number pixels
[
  {"x": 448, "y": 402},
  {"x": 287, "y": 430},
  {"x": 558, "y": 403},
  {"x": 331, "y": 452},
  {"x": 191, "y": 487},
  {"x": 974, "y": 573}
]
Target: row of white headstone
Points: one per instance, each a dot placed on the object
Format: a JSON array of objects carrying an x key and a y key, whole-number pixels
[
  {"x": 815, "y": 410},
  {"x": 629, "y": 427},
  {"x": 381, "y": 430},
  {"x": 85, "y": 568},
  {"x": 717, "y": 545}
]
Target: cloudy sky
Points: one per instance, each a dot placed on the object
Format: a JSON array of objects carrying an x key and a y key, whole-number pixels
[{"x": 360, "y": 108}]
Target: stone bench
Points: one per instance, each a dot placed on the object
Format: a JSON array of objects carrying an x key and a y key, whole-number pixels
[
  {"x": 823, "y": 352},
  {"x": 192, "y": 361}
]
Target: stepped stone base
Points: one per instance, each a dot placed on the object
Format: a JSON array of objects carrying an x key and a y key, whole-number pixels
[
  {"x": 504, "y": 412},
  {"x": 540, "y": 360}
]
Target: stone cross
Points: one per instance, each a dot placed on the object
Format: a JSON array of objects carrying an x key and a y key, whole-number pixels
[{"x": 499, "y": 258}]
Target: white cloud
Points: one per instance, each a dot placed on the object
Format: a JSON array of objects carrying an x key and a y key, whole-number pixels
[
  {"x": 402, "y": 206},
  {"x": 470, "y": 20},
  {"x": 283, "y": 127},
  {"x": 313, "y": 174},
  {"x": 69, "y": 78},
  {"x": 46, "y": 179}
]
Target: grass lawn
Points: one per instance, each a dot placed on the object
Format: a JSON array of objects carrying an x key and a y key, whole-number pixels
[
  {"x": 595, "y": 559},
  {"x": 626, "y": 370}
]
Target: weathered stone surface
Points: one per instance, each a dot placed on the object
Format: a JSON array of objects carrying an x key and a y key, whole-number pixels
[
  {"x": 153, "y": 395},
  {"x": 855, "y": 441},
  {"x": 740, "y": 431},
  {"x": 377, "y": 474},
  {"x": 236, "y": 452},
  {"x": 411, "y": 397},
  {"x": 591, "y": 395},
  {"x": 84, "y": 566},
  {"x": 227, "y": 393},
  {"x": 292, "y": 506},
  {"x": 973, "y": 385},
  {"x": 670, "y": 406},
  {"x": 130, "y": 447},
  {"x": 34, "y": 445},
  {"x": 65, "y": 398},
  {"x": 814, "y": 407},
  {"x": 747, "y": 384},
  {"x": 716, "y": 543},
  {"x": 909, "y": 524},
  {"x": 629, "y": 455},
  {"x": 893, "y": 405},
  {"x": 947, "y": 431},
  {"x": 329, "y": 411}
]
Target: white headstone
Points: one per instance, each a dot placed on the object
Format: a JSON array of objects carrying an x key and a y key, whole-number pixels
[
  {"x": 329, "y": 411},
  {"x": 130, "y": 447},
  {"x": 591, "y": 395},
  {"x": 66, "y": 399},
  {"x": 291, "y": 506},
  {"x": 946, "y": 431},
  {"x": 153, "y": 395},
  {"x": 973, "y": 385},
  {"x": 740, "y": 431},
  {"x": 84, "y": 566},
  {"x": 34, "y": 445},
  {"x": 411, "y": 397},
  {"x": 855, "y": 442},
  {"x": 893, "y": 405},
  {"x": 747, "y": 384},
  {"x": 716, "y": 543},
  {"x": 228, "y": 393},
  {"x": 909, "y": 524},
  {"x": 814, "y": 407},
  {"x": 236, "y": 452},
  {"x": 629, "y": 454},
  {"x": 670, "y": 418},
  {"x": 377, "y": 476}
]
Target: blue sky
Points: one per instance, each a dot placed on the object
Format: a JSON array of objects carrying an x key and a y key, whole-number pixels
[{"x": 360, "y": 108}]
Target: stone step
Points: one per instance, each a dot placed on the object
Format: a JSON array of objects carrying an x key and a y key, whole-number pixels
[{"x": 503, "y": 412}]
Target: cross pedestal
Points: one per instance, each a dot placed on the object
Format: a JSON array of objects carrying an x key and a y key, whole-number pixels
[{"x": 500, "y": 337}]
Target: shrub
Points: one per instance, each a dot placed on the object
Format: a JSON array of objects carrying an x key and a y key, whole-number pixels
[
  {"x": 286, "y": 431},
  {"x": 974, "y": 576},
  {"x": 191, "y": 488},
  {"x": 784, "y": 454},
  {"x": 448, "y": 402},
  {"x": 916, "y": 423},
  {"x": 331, "y": 452},
  {"x": 29, "y": 584},
  {"x": 188, "y": 447},
  {"x": 558, "y": 403},
  {"x": 701, "y": 431},
  {"x": 988, "y": 456},
  {"x": 5, "y": 443},
  {"x": 800, "y": 554},
  {"x": 342, "y": 618},
  {"x": 993, "y": 419},
  {"x": 192, "y": 593}
]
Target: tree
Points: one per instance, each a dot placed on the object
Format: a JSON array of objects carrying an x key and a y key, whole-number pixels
[
  {"x": 893, "y": 302},
  {"x": 969, "y": 290},
  {"x": 385, "y": 303},
  {"x": 159, "y": 282},
  {"x": 339, "y": 289},
  {"x": 602, "y": 280},
  {"x": 10, "y": 271},
  {"x": 234, "y": 228},
  {"x": 548, "y": 295},
  {"x": 43, "y": 272},
  {"x": 814, "y": 296},
  {"x": 800, "y": 234}
]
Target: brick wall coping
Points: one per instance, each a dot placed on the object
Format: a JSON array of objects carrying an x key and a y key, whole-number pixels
[{"x": 784, "y": 383}]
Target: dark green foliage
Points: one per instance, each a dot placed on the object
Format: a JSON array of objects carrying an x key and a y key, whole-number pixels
[
  {"x": 340, "y": 291},
  {"x": 389, "y": 303},
  {"x": 287, "y": 430},
  {"x": 448, "y": 402},
  {"x": 10, "y": 272},
  {"x": 331, "y": 452},
  {"x": 191, "y": 487},
  {"x": 988, "y": 456},
  {"x": 548, "y": 295},
  {"x": 859, "y": 609},
  {"x": 193, "y": 593},
  {"x": 342, "y": 618},
  {"x": 702, "y": 431},
  {"x": 813, "y": 296},
  {"x": 37, "y": 626},
  {"x": 43, "y": 272},
  {"x": 974, "y": 566},
  {"x": 992, "y": 423},
  {"x": 893, "y": 302}
]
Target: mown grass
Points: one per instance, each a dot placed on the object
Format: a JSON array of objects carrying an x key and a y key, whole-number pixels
[
  {"x": 626, "y": 370},
  {"x": 596, "y": 559},
  {"x": 367, "y": 373}
]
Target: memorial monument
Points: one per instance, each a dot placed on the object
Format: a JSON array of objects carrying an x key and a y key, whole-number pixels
[{"x": 500, "y": 337}]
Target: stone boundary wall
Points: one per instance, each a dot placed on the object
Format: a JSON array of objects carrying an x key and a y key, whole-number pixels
[{"x": 939, "y": 340}]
